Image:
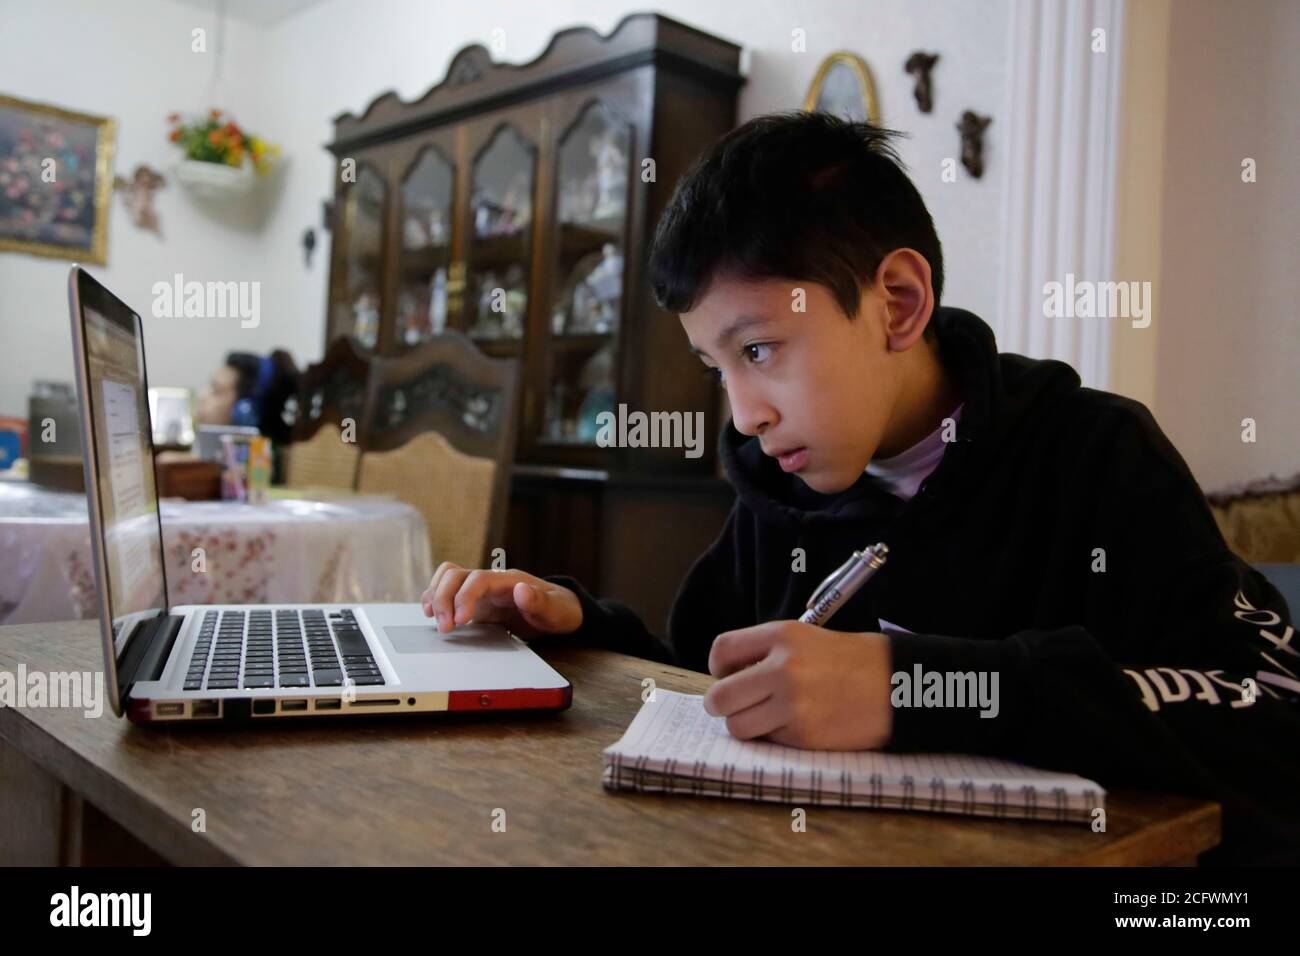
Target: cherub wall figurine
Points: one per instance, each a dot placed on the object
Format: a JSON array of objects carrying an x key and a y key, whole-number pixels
[
  {"x": 919, "y": 65},
  {"x": 308, "y": 245},
  {"x": 137, "y": 194},
  {"x": 972, "y": 127}
]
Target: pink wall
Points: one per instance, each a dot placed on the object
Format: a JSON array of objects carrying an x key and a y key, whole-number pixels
[{"x": 1229, "y": 311}]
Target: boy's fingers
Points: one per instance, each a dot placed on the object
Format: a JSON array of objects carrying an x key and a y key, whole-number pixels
[
  {"x": 734, "y": 650},
  {"x": 457, "y": 596},
  {"x": 760, "y": 720},
  {"x": 444, "y": 593},
  {"x": 442, "y": 570},
  {"x": 427, "y": 597},
  {"x": 534, "y": 603},
  {"x": 483, "y": 586},
  {"x": 747, "y": 688},
  {"x": 474, "y": 584}
]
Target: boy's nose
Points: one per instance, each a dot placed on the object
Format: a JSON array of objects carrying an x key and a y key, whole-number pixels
[{"x": 749, "y": 414}]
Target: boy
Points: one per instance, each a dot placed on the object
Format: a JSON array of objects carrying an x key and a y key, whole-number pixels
[{"x": 1043, "y": 535}]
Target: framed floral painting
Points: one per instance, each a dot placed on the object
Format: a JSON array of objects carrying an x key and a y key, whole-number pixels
[{"x": 56, "y": 181}]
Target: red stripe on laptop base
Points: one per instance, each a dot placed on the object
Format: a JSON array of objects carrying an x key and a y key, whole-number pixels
[{"x": 555, "y": 698}]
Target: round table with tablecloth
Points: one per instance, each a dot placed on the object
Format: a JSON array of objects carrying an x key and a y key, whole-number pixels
[{"x": 289, "y": 550}]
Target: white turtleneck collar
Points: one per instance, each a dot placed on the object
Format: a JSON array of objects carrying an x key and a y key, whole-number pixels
[{"x": 903, "y": 473}]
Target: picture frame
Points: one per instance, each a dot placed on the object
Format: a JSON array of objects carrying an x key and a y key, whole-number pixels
[
  {"x": 65, "y": 217},
  {"x": 172, "y": 412},
  {"x": 843, "y": 85}
]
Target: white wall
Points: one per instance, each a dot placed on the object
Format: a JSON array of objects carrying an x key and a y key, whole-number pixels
[
  {"x": 131, "y": 59},
  {"x": 89, "y": 57}
]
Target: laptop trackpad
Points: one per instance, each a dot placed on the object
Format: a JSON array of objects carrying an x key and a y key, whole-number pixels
[{"x": 425, "y": 639}]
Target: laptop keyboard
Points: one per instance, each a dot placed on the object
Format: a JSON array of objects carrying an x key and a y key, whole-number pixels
[{"x": 280, "y": 648}]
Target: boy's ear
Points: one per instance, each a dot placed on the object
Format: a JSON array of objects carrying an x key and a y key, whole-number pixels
[{"x": 903, "y": 281}]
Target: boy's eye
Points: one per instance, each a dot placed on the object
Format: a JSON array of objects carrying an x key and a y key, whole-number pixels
[{"x": 756, "y": 353}]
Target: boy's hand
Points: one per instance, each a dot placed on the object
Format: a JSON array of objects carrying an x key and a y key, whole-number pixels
[
  {"x": 808, "y": 687},
  {"x": 524, "y": 604}
]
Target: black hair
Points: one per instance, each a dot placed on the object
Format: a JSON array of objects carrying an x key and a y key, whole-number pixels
[
  {"x": 798, "y": 194},
  {"x": 246, "y": 366},
  {"x": 281, "y": 384}
]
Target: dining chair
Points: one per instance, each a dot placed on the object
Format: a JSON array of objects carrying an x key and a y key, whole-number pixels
[{"x": 440, "y": 436}]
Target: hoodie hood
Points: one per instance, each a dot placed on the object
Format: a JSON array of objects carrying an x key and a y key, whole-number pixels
[{"x": 998, "y": 391}]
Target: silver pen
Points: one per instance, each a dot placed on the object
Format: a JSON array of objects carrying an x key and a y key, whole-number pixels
[{"x": 843, "y": 583}]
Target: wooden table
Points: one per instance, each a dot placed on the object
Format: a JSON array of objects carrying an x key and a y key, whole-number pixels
[{"x": 427, "y": 791}]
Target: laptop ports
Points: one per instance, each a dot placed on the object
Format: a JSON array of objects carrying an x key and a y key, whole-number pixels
[
  {"x": 329, "y": 703},
  {"x": 292, "y": 705},
  {"x": 205, "y": 708},
  {"x": 264, "y": 707},
  {"x": 169, "y": 710}
]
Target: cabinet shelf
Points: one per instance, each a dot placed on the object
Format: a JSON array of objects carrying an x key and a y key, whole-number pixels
[
  {"x": 499, "y": 347},
  {"x": 578, "y": 239},
  {"x": 585, "y": 342},
  {"x": 498, "y": 251},
  {"x": 424, "y": 261}
]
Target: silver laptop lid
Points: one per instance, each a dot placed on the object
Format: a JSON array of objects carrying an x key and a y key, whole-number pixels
[{"x": 117, "y": 446}]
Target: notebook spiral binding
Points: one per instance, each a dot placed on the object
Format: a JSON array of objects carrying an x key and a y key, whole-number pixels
[{"x": 622, "y": 774}]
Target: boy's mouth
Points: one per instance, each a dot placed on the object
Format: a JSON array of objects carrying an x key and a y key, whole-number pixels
[{"x": 793, "y": 460}]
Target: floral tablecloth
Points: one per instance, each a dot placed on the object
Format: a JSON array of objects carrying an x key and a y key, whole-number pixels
[{"x": 288, "y": 550}]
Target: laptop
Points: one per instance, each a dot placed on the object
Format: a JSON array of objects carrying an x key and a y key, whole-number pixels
[
  {"x": 249, "y": 662},
  {"x": 207, "y": 444}
]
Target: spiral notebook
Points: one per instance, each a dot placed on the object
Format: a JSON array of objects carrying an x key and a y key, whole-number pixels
[{"x": 673, "y": 746}]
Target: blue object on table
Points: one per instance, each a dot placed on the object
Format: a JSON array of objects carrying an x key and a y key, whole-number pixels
[
  {"x": 1286, "y": 578},
  {"x": 11, "y": 448},
  {"x": 245, "y": 413}
]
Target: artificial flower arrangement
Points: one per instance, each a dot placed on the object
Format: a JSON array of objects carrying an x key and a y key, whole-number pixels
[{"x": 213, "y": 139}]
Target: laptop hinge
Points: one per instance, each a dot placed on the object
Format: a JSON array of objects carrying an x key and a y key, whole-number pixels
[{"x": 146, "y": 653}]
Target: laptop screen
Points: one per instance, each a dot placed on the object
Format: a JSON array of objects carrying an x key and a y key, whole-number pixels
[{"x": 122, "y": 450}]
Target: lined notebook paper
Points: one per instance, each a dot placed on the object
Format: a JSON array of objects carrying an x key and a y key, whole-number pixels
[{"x": 673, "y": 746}]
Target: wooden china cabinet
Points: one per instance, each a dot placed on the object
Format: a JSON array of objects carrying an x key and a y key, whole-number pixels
[{"x": 517, "y": 203}]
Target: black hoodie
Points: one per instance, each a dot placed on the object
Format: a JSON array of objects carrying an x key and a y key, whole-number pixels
[{"x": 1062, "y": 542}]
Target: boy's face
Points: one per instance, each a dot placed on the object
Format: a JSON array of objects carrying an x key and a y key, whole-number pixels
[
  {"x": 217, "y": 401},
  {"x": 813, "y": 383}
]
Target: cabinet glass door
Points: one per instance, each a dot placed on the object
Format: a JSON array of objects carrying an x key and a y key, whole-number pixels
[
  {"x": 425, "y": 260},
  {"x": 357, "y": 307},
  {"x": 500, "y": 228},
  {"x": 587, "y": 306}
]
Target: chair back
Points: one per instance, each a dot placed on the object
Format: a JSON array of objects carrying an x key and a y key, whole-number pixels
[
  {"x": 440, "y": 436},
  {"x": 332, "y": 411}
]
